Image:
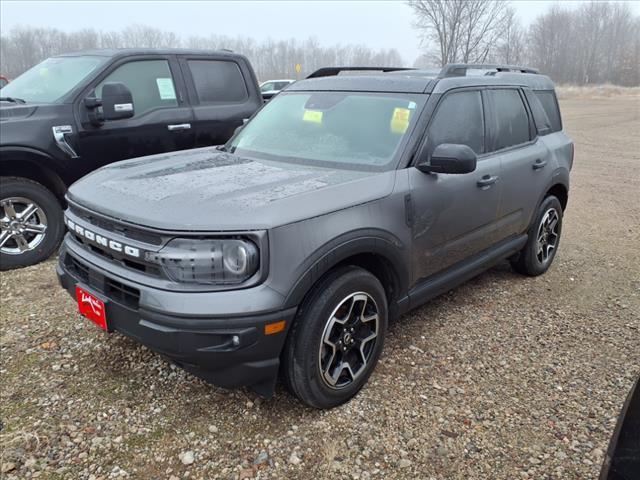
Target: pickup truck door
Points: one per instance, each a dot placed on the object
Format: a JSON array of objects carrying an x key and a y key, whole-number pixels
[
  {"x": 163, "y": 117},
  {"x": 223, "y": 92},
  {"x": 454, "y": 215}
]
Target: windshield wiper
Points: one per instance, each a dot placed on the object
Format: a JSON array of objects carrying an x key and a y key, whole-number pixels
[{"x": 12, "y": 100}]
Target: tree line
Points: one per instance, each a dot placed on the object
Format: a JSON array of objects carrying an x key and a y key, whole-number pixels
[
  {"x": 23, "y": 47},
  {"x": 597, "y": 42}
]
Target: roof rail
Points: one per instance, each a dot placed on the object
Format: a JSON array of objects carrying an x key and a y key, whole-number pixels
[
  {"x": 460, "y": 69},
  {"x": 332, "y": 71}
]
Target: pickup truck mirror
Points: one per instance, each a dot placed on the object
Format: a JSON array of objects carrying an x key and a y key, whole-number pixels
[
  {"x": 449, "y": 158},
  {"x": 117, "y": 101}
]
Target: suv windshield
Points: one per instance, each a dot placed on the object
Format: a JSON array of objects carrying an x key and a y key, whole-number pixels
[
  {"x": 52, "y": 79},
  {"x": 336, "y": 129}
]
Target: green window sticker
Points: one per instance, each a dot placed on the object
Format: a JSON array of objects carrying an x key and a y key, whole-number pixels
[{"x": 165, "y": 88}]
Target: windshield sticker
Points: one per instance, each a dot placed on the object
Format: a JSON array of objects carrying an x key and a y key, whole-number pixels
[
  {"x": 165, "y": 89},
  {"x": 313, "y": 116},
  {"x": 400, "y": 120},
  {"x": 412, "y": 105}
]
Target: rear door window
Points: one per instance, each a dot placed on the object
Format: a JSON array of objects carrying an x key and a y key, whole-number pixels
[
  {"x": 458, "y": 119},
  {"x": 218, "y": 81},
  {"x": 550, "y": 104},
  {"x": 150, "y": 82},
  {"x": 511, "y": 121}
]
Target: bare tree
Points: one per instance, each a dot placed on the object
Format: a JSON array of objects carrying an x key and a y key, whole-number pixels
[
  {"x": 463, "y": 30},
  {"x": 510, "y": 48}
]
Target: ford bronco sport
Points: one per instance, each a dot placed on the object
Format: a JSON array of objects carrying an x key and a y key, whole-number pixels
[
  {"x": 76, "y": 112},
  {"x": 344, "y": 202}
]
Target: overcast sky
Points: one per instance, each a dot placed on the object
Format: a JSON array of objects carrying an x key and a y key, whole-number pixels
[{"x": 377, "y": 24}]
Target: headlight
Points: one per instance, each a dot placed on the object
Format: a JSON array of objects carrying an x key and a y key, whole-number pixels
[{"x": 210, "y": 261}]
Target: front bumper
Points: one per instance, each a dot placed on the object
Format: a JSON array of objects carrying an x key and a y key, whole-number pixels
[{"x": 229, "y": 351}]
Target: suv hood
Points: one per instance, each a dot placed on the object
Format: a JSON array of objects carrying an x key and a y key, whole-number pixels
[{"x": 209, "y": 190}]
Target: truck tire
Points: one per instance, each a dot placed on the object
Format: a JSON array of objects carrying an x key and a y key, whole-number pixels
[
  {"x": 31, "y": 223},
  {"x": 336, "y": 339},
  {"x": 544, "y": 239}
]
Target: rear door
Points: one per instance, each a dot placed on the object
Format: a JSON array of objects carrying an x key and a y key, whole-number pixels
[
  {"x": 525, "y": 160},
  {"x": 162, "y": 118},
  {"x": 223, "y": 92},
  {"x": 455, "y": 215}
]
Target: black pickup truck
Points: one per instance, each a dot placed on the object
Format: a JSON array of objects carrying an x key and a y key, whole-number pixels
[{"x": 76, "y": 112}]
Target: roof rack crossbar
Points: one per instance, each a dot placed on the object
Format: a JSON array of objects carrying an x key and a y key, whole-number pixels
[
  {"x": 333, "y": 71},
  {"x": 460, "y": 69}
]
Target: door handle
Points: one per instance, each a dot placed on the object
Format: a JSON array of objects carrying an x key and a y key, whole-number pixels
[
  {"x": 179, "y": 126},
  {"x": 538, "y": 164},
  {"x": 487, "y": 180}
]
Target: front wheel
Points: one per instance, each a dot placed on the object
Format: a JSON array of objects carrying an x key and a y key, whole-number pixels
[
  {"x": 544, "y": 238},
  {"x": 336, "y": 339},
  {"x": 31, "y": 223}
]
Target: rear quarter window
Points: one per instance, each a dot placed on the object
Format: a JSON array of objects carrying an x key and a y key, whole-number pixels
[
  {"x": 540, "y": 117},
  {"x": 550, "y": 104}
]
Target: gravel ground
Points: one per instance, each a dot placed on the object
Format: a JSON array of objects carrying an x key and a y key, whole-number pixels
[{"x": 505, "y": 377}]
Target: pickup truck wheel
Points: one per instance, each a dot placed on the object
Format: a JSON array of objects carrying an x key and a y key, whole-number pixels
[
  {"x": 31, "y": 223},
  {"x": 337, "y": 338},
  {"x": 544, "y": 238}
]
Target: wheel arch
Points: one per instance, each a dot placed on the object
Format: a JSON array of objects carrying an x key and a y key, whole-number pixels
[
  {"x": 383, "y": 257},
  {"x": 33, "y": 165}
]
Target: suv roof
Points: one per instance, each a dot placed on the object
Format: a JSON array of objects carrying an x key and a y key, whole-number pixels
[{"x": 423, "y": 81}]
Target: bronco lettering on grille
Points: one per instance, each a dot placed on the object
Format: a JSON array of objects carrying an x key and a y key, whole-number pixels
[{"x": 103, "y": 241}]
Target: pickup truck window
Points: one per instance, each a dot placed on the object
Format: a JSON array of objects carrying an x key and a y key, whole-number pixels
[
  {"x": 52, "y": 79},
  {"x": 150, "y": 82},
  {"x": 218, "y": 81},
  {"x": 349, "y": 130}
]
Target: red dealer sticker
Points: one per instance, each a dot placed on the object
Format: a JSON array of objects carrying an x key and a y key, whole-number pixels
[{"x": 91, "y": 307}]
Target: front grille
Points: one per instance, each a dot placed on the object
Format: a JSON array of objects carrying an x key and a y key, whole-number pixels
[
  {"x": 116, "y": 227},
  {"x": 140, "y": 266},
  {"x": 112, "y": 289}
]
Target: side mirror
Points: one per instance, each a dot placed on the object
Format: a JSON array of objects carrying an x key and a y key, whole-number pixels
[
  {"x": 449, "y": 158},
  {"x": 117, "y": 101}
]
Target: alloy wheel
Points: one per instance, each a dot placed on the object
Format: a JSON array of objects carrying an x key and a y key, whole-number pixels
[
  {"x": 348, "y": 341},
  {"x": 23, "y": 225},
  {"x": 547, "y": 236}
]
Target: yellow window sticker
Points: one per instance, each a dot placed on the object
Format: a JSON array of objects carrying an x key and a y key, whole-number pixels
[
  {"x": 400, "y": 120},
  {"x": 314, "y": 116}
]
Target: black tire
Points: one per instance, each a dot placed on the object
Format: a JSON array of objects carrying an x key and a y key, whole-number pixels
[
  {"x": 15, "y": 187},
  {"x": 528, "y": 261},
  {"x": 301, "y": 356}
]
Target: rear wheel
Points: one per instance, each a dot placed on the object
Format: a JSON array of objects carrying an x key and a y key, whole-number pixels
[
  {"x": 544, "y": 238},
  {"x": 31, "y": 223},
  {"x": 337, "y": 338}
]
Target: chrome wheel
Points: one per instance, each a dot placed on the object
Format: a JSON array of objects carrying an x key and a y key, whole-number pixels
[
  {"x": 348, "y": 340},
  {"x": 547, "y": 236},
  {"x": 23, "y": 225}
]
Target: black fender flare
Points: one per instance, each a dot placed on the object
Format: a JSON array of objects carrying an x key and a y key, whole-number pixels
[
  {"x": 35, "y": 164},
  {"x": 380, "y": 243}
]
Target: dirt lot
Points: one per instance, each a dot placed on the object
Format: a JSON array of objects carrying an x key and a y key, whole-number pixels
[{"x": 506, "y": 377}]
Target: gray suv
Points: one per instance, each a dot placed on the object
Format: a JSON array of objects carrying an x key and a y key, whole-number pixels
[{"x": 343, "y": 203}]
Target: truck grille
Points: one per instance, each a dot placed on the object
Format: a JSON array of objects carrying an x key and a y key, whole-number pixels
[
  {"x": 112, "y": 289},
  {"x": 116, "y": 227}
]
